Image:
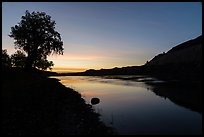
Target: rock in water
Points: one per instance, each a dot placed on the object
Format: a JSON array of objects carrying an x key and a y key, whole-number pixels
[{"x": 95, "y": 101}]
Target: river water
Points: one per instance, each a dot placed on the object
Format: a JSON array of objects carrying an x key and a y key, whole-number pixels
[{"x": 131, "y": 108}]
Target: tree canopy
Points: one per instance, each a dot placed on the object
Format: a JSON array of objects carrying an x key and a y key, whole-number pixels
[
  {"x": 44, "y": 64},
  {"x": 35, "y": 34},
  {"x": 18, "y": 59}
]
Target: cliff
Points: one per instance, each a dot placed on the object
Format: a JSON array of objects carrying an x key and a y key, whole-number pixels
[{"x": 189, "y": 52}]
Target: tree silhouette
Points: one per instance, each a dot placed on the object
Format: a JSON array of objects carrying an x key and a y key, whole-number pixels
[
  {"x": 36, "y": 35},
  {"x": 5, "y": 59},
  {"x": 18, "y": 59},
  {"x": 43, "y": 64}
]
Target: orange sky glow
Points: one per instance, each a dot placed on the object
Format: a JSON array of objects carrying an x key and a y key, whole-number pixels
[{"x": 62, "y": 70}]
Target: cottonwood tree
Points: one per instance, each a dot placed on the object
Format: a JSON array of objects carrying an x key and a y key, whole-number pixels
[{"x": 35, "y": 34}]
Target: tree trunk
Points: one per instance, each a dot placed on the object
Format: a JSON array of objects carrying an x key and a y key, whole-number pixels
[
  {"x": 32, "y": 55},
  {"x": 28, "y": 65},
  {"x": 29, "y": 61}
]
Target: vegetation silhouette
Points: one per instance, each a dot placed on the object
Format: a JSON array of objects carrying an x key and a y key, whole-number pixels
[
  {"x": 5, "y": 59},
  {"x": 35, "y": 34},
  {"x": 18, "y": 60},
  {"x": 32, "y": 103}
]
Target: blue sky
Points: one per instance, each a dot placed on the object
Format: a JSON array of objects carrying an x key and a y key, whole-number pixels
[{"x": 110, "y": 34}]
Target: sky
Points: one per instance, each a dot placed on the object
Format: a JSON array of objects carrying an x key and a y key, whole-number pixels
[{"x": 99, "y": 35}]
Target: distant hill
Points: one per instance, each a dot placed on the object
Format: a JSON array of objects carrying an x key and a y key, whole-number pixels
[
  {"x": 189, "y": 52},
  {"x": 182, "y": 62},
  {"x": 130, "y": 70}
]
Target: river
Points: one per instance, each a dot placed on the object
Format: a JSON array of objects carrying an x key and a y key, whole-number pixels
[{"x": 132, "y": 108}]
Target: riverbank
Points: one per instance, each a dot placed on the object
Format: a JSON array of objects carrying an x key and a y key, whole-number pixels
[{"x": 34, "y": 104}]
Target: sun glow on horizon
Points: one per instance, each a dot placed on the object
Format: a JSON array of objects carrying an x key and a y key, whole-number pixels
[
  {"x": 67, "y": 69},
  {"x": 76, "y": 62}
]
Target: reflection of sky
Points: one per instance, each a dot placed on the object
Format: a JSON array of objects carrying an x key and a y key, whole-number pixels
[
  {"x": 106, "y": 35},
  {"x": 133, "y": 108}
]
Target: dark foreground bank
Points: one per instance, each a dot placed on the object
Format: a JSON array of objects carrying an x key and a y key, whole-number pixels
[{"x": 33, "y": 104}]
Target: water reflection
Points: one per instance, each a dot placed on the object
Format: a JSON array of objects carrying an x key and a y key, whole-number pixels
[
  {"x": 131, "y": 107},
  {"x": 188, "y": 96}
]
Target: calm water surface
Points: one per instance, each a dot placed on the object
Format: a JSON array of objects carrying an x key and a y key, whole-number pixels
[{"x": 132, "y": 108}]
